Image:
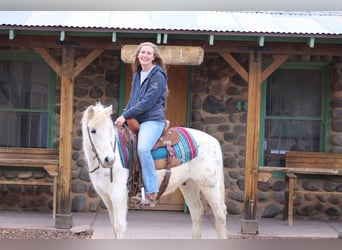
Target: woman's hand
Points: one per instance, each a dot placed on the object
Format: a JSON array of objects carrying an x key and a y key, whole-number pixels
[{"x": 120, "y": 121}]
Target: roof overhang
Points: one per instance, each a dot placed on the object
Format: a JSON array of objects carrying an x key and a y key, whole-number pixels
[{"x": 163, "y": 36}]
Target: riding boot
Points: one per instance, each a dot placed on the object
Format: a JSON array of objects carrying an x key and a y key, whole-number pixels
[{"x": 141, "y": 199}]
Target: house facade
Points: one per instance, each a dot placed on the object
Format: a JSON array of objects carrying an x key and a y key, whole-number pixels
[{"x": 268, "y": 83}]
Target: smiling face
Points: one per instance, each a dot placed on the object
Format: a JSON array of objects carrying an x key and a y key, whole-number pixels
[{"x": 146, "y": 57}]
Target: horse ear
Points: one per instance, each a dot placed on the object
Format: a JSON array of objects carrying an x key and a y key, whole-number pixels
[
  {"x": 109, "y": 110},
  {"x": 90, "y": 112}
]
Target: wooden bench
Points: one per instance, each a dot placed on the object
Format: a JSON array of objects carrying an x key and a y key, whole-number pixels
[
  {"x": 312, "y": 163},
  {"x": 307, "y": 163},
  {"x": 45, "y": 158}
]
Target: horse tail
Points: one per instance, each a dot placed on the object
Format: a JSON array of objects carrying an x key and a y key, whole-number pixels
[
  {"x": 221, "y": 180},
  {"x": 221, "y": 173},
  {"x": 222, "y": 187}
]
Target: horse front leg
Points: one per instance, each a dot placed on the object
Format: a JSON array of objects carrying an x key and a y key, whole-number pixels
[
  {"x": 120, "y": 207},
  {"x": 191, "y": 195},
  {"x": 117, "y": 212},
  {"x": 108, "y": 203}
]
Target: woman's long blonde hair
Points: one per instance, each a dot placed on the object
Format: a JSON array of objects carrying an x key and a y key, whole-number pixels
[{"x": 157, "y": 59}]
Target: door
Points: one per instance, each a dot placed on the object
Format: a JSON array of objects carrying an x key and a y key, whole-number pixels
[{"x": 175, "y": 112}]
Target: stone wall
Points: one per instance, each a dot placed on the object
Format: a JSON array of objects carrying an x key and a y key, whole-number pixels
[
  {"x": 25, "y": 197},
  {"x": 218, "y": 107},
  {"x": 219, "y": 99}
]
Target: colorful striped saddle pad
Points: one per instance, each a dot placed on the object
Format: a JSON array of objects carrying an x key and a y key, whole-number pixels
[{"x": 183, "y": 151}]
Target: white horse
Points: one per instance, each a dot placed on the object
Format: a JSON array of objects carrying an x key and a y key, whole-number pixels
[{"x": 203, "y": 174}]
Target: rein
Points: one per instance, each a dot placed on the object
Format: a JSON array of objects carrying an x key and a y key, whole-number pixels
[{"x": 100, "y": 164}]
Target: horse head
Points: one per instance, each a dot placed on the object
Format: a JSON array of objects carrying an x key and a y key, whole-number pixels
[{"x": 98, "y": 135}]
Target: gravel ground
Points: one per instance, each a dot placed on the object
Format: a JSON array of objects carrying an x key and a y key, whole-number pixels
[{"x": 40, "y": 234}]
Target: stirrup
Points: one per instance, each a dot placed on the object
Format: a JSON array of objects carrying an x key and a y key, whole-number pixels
[
  {"x": 137, "y": 198},
  {"x": 147, "y": 202},
  {"x": 140, "y": 199}
]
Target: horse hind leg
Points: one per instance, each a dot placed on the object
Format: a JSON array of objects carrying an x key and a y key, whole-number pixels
[
  {"x": 215, "y": 199},
  {"x": 191, "y": 195}
]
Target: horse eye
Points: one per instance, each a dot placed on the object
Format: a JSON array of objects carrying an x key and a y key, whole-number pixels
[{"x": 93, "y": 131}]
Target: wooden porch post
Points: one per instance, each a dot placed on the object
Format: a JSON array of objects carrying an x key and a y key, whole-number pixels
[
  {"x": 67, "y": 72},
  {"x": 249, "y": 223},
  {"x": 63, "y": 216},
  {"x": 254, "y": 78}
]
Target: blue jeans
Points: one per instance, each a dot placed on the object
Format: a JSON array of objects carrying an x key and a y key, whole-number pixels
[{"x": 149, "y": 133}]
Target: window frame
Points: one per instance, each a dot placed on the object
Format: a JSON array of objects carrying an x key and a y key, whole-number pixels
[
  {"x": 31, "y": 57},
  {"x": 325, "y": 121}
]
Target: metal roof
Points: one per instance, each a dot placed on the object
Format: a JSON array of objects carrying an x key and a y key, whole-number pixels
[{"x": 263, "y": 22}]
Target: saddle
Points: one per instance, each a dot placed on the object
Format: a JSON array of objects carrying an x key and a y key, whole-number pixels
[{"x": 167, "y": 139}]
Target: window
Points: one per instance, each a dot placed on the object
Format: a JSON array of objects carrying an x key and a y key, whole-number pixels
[
  {"x": 293, "y": 112},
  {"x": 26, "y": 98}
]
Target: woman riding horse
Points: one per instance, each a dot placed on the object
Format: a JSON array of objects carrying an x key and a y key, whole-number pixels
[{"x": 146, "y": 104}]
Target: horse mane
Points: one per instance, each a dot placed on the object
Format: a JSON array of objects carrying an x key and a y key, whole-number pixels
[{"x": 97, "y": 109}]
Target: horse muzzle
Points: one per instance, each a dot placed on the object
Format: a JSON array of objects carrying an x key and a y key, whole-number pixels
[{"x": 108, "y": 161}]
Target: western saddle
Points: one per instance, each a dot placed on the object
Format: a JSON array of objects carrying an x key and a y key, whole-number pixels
[{"x": 167, "y": 139}]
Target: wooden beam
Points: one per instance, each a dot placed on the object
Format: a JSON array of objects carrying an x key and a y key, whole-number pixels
[
  {"x": 31, "y": 41},
  {"x": 50, "y": 61},
  {"x": 279, "y": 48},
  {"x": 63, "y": 217},
  {"x": 235, "y": 65},
  {"x": 273, "y": 66},
  {"x": 86, "y": 61},
  {"x": 255, "y": 78},
  {"x": 253, "y": 117},
  {"x": 172, "y": 55}
]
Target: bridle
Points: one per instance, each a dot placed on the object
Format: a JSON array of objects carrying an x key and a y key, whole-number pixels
[{"x": 96, "y": 156}]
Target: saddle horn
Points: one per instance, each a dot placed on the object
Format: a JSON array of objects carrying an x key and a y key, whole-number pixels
[{"x": 133, "y": 125}]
